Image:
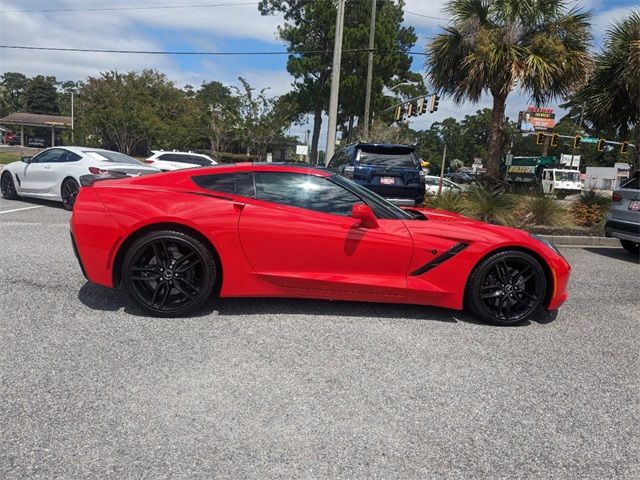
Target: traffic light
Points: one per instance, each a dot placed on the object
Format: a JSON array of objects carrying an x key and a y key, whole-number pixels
[
  {"x": 410, "y": 110},
  {"x": 554, "y": 139},
  {"x": 433, "y": 103},
  {"x": 576, "y": 141},
  {"x": 420, "y": 110},
  {"x": 539, "y": 138},
  {"x": 398, "y": 114},
  {"x": 624, "y": 146},
  {"x": 601, "y": 144}
]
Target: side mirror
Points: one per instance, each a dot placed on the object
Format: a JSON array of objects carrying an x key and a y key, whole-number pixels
[
  {"x": 26, "y": 159},
  {"x": 367, "y": 218}
]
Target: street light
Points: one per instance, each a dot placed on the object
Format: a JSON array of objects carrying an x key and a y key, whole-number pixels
[{"x": 403, "y": 83}]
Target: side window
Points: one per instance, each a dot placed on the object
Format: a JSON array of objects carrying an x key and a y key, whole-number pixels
[
  {"x": 196, "y": 160},
  {"x": 304, "y": 191},
  {"x": 68, "y": 156},
  {"x": 340, "y": 160},
  {"x": 167, "y": 157},
  {"x": 49, "y": 156},
  {"x": 235, "y": 183}
]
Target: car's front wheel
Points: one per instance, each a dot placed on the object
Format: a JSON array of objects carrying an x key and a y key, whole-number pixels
[
  {"x": 169, "y": 273},
  {"x": 631, "y": 247},
  {"x": 506, "y": 288},
  {"x": 69, "y": 192},
  {"x": 7, "y": 187}
]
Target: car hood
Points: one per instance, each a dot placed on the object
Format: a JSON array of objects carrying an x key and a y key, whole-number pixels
[{"x": 453, "y": 225}]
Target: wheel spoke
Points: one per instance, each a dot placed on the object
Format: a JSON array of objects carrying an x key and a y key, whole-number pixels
[
  {"x": 166, "y": 295},
  {"x": 503, "y": 272},
  {"x": 178, "y": 284},
  {"x": 493, "y": 294},
  {"x": 156, "y": 292},
  {"x": 188, "y": 267}
]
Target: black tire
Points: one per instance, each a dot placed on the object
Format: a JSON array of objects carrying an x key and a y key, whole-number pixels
[
  {"x": 169, "y": 273},
  {"x": 631, "y": 247},
  {"x": 7, "y": 187},
  {"x": 506, "y": 288},
  {"x": 69, "y": 191}
]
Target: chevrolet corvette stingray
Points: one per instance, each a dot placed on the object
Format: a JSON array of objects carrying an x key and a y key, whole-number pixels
[{"x": 174, "y": 240}]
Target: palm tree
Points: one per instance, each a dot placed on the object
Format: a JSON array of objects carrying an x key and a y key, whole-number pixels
[
  {"x": 496, "y": 46},
  {"x": 611, "y": 97}
]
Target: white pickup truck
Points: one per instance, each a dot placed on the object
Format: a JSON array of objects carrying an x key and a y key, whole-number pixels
[{"x": 561, "y": 181}]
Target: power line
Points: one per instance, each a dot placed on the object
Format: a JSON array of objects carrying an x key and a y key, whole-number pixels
[
  {"x": 111, "y": 9},
  {"x": 426, "y": 16},
  {"x": 174, "y": 52}
]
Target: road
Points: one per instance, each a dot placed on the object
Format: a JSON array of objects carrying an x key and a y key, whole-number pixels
[{"x": 307, "y": 389}]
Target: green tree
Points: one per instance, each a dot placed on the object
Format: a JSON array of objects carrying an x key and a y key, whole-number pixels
[
  {"x": 41, "y": 95},
  {"x": 135, "y": 111},
  {"x": 611, "y": 97},
  {"x": 310, "y": 26},
  {"x": 219, "y": 111},
  {"x": 539, "y": 46},
  {"x": 13, "y": 84}
]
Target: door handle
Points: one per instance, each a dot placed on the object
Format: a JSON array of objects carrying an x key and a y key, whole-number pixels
[{"x": 47, "y": 167}]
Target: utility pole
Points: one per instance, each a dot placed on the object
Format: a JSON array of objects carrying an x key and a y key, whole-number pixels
[
  {"x": 444, "y": 159},
  {"x": 367, "y": 99},
  {"x": 72, "y": 138},
  {"x": 335, "y": 84}
]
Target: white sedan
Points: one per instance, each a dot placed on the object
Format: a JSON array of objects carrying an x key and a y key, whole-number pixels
[
  {"x": 169, "y": 161},
  {"x": 432, "y": 183},
  {"x": 54, "y": 174}
]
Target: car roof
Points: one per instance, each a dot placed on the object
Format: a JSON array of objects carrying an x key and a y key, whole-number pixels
[
  {"x": 179, "y": 153},
  {"x": 390, "y": 146}
]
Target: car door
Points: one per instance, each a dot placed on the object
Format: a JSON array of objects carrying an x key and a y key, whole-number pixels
[
  {"x": 38, "y": 177},
  {"x": 298, "y": 233}
]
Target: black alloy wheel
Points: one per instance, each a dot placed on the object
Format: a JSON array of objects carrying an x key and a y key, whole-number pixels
[
  {"x": 631, "y": 247},
  {"x": 69, "y": 192},
  {"x": 7, "y": 187},
  {"x": 507, "y": 288},
  {"x": 169, "y": 273}
]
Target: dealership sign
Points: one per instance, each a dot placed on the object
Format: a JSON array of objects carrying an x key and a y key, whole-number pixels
[{"x": 535, "y": 119}]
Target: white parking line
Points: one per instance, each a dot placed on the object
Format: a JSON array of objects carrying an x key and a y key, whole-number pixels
[{"x": 20, "y": 209}]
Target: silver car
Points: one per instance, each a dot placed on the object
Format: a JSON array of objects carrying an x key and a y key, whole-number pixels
[{"x": 623, "y": 219}]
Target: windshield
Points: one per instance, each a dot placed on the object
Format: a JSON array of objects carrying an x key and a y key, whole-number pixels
[
  {"x": 109, "y": 156},
  {"x": 567, "y": 176},
  {"x": 395, "y": 160},
  {"x": 381, "y": 206}
]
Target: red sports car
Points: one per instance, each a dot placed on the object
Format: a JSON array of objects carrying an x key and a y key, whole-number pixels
[{"x": 174, "y": 240}]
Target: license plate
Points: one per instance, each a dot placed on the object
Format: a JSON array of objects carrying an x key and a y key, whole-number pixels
[
  {"x": 387, "y": 180},
  {"x": 634, "y": 205}
]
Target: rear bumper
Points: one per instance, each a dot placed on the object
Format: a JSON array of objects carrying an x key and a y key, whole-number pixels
[{"x": 624, "y": 230}]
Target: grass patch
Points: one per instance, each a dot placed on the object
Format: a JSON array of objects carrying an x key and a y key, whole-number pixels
[{"x": 8, "y": 157}]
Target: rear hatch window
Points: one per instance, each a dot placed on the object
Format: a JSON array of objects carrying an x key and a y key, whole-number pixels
[{"x": 388, "y": 159}]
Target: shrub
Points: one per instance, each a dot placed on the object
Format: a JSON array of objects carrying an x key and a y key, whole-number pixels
[
  {"x": 587, "y": 215},
  {"x": 488, "y": 203},
  {"x": 449, "y": 201},
  {"x": 591, "y": 198},
  {"x": 541, "y": 210}
]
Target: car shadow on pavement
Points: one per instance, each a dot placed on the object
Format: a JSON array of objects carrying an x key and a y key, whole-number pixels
[
  {"x": 41, "y": 202},
  {"x": 616, "y": 253},
  {"x": 97, "y": 297}
]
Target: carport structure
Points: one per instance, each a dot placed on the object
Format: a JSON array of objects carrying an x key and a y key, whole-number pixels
[{"x": 36, "y": 120}]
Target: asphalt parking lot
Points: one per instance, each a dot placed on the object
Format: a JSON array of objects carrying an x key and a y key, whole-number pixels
[{"x": 306, "y": 389}]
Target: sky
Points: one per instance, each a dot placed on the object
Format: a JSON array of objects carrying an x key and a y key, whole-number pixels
[{"x": 222, "y": 25}]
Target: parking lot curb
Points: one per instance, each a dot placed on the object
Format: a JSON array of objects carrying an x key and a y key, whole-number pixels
[{"x": 581, "y": 241}]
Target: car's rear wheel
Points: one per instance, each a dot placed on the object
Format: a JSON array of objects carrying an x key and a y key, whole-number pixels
[
  {"x": 7, "y": 187},
  {"x": 69, "y": 192},
  {"x": 506, "y": 288},
  {"x": 629, "y": 246},
  {"x": 169, "y": 273}
]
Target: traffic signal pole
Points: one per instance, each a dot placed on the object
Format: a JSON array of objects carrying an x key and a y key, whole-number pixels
[{"x": 367, "y": 99}]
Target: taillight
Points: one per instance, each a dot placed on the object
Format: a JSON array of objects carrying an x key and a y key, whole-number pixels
[
  {"x": 348, "y": 172},
  {"x": 615, "y": 198},
  {"x": 148, "y": 161},
  {"x": 97, "y": 171}
]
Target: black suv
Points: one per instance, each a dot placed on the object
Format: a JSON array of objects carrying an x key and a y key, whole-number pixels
[{"x": 392, "y": 171}]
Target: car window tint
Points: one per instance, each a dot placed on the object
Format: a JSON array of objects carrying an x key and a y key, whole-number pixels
[
  {"x": 110, "y": 156},
  {"x": 48, "y": 156},
  {"x": 304, "y": 191},
  {"x": 340, "y": 160},
  {"x": 196, "y": 160},
  {"x": 68, "y": 156},
  {"x": 240, "y": 183},
  {"x": 165, "y": 156},
  {"x": 633, "y": 184},
  {"x": 400, "y": 160}
]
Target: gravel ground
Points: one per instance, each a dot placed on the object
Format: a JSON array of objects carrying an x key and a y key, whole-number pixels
[{"x": 306, "y": 389}]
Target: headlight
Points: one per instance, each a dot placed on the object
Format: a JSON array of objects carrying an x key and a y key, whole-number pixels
[{"x": 546, "y": 242}]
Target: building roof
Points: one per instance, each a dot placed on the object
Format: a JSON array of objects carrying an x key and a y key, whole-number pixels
[{"x": 36, "y": 120}]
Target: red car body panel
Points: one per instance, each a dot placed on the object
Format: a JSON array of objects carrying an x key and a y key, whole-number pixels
[{"x": 272, "y": 250}]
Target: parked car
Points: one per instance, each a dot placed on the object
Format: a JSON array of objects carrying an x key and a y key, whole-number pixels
[
  {"x": 37, "y": 142},
  {"x": 278, "y": 230},
  {"x": 433, "y": 184},
  {"x": 462, "y": 177},
  {"x": 392, "y": 171},
  {"x": 168, "y": 161},
  {"x": 55, "y": 173},
  {"x": 623, "y": 219},
  {"x": 13, "y": 139}
]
